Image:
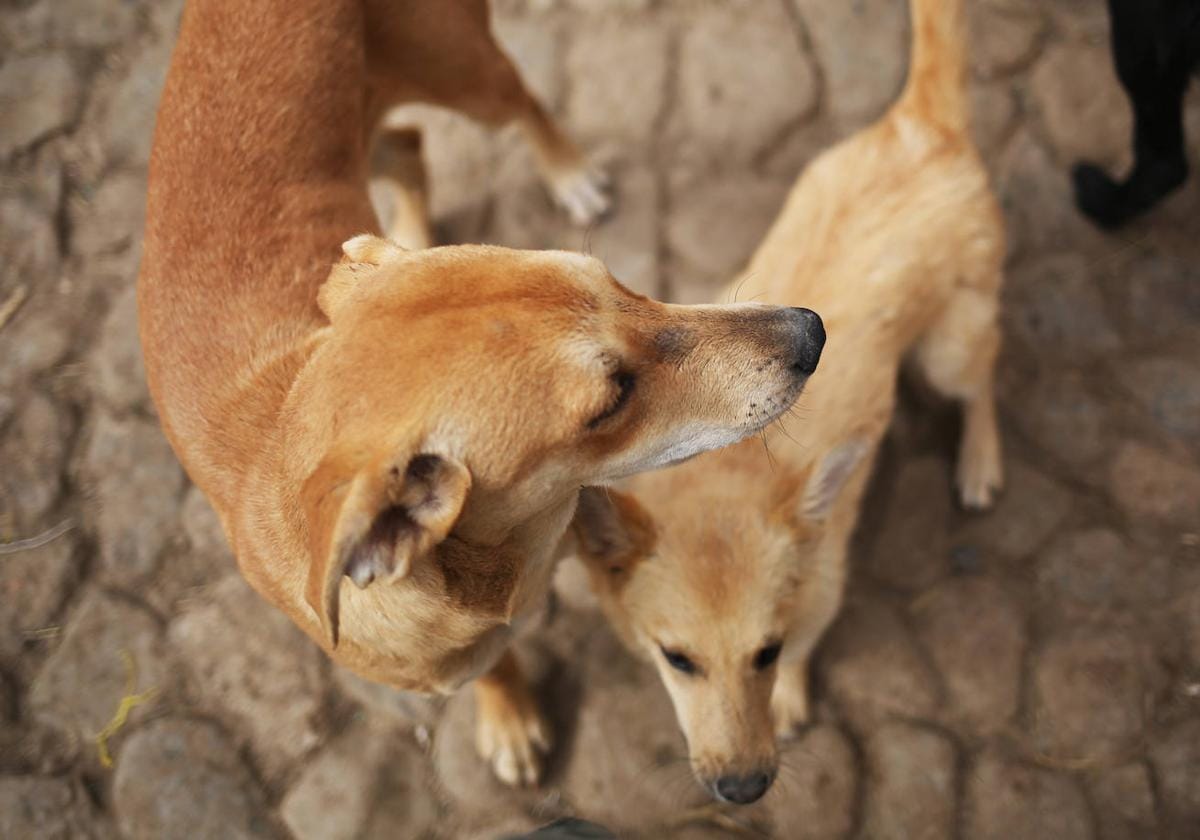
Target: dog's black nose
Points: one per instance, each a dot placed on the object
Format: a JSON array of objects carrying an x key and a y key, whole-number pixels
[
  {"x": 742, "y": 790},
  {"x": 808, "y": 339}
]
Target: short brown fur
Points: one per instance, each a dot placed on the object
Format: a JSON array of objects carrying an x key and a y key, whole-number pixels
[
  {"x": 895, "y": 237},
  {"x": 415, "y": 420}
]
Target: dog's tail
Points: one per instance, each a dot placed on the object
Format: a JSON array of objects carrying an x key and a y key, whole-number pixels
[{"x": 937, "y": 74}]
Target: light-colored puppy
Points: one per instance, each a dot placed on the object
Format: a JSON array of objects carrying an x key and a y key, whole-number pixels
[
  {"x": 731, "y": 567},
  {"x": 417, "y": 421}
]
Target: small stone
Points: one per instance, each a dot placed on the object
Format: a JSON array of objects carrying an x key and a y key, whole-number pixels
[
  {"x": 873, "y": 670},
  {"x": 182, "y": 778},
  {"x": 1169, "y": 389},
  {"x": 33, "y": 452},
  {"x": 1157, "y": 293},
  {"x": 1038, "y": 202},
  {"x": 1004, "y": 35},
  {"x": 28, "y": 230},
  {"x": 398, "y": 708},
  {"x": 138, "y": 484},
  {"x": 1006, "y": 800},
  {"x": 34, "y": 584},
  {"x": 975, "y": 633},
  {"x": 733, "y": 106},
  {"x": 29, "y": 118},
  {"x": 332, "y": 798},
  {"x": 37, "y": 339},
  {"x": 1147, "y": 483},
  {"x": 1054, "y": 305},
  {"x": 126, "y": 116},
  {"x": 1081, "y": 105},
  {"x": 1123, "y": 800},
  {"x": 1030, "y": 509},
  {"x": 618, "y": 72},
  {"x": 112, "y": 220},
  {"x": 405, "y": 803},
  {"x": 1088, "y": 695},
  {"x": 626, "y": 767},
  {"x": 910, "y": 784},
  {"x": 815, "y": 799},
  {"x": 118, "y": 375},
  {"x": 1096, "y": 568},
  {"x": 255, "y": 667},
  {"x": 1065, "y": 418},
  {"x": 714, "y": 226},
  {"x": 993, "y": 116},
  {"x": 1080, "y": 20},
  {"x": 104, "y": 638},
  {"x": 1175, "y": 756},
  {"x": 910, "y": 548},
  {"x": 857, "y": 91},
  {"x": 48, "y": 809}
]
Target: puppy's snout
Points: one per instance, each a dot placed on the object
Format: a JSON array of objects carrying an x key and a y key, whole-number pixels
[
  {"x": 742, "y": 790},
  {"x": 806, "y": 335}
]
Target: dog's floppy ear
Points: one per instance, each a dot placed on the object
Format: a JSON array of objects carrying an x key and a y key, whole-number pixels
[
  {"x": 376, "y": 523},
  {"x": 361, "y": 256},
  {"x": 830, "y": 476},
  {"x": 612, "y": 531}
]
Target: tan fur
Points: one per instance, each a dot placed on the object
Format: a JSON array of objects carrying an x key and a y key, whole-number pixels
[
  {"x": 894, "y": 236},
  {"x": 417, "y": 420}
]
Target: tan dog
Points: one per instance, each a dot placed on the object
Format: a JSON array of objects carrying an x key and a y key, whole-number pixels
[
  {"x": 417, "y": 421},
  {"x": 734, "y": 567}
]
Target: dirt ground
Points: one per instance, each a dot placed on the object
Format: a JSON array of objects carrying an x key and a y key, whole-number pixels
[{"x": 1031, "y": 673}]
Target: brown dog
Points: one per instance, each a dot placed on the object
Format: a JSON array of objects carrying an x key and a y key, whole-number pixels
[
  {"x": 418, "y": 421},
  {"x": 734, "y": 567}
]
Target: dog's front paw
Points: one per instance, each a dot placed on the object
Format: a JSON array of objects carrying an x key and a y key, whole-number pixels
[
  {"x": 980, "y": 477},
  {"x": 512, "y": 736},
  {"x": 789, "y": 705},
  {"x": 582, "y": 192}
]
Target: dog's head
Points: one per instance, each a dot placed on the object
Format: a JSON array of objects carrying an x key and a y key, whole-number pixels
[
  {"x": 470, "y": 391},
  {"x": 707, "y": 569}
]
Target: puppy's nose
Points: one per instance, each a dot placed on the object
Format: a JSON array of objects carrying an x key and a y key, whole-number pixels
[
  {"x": 808, "y": 337},
  {"x": 742, "y": 790}
]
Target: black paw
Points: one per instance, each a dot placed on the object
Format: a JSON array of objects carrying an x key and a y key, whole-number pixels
[{"x": 1099, "y": 197}]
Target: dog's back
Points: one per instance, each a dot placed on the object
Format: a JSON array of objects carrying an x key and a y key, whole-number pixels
[{"x": 896, "y": 215}]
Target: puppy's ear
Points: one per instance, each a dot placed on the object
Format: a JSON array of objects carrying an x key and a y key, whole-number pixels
[
  {"x": 830, "y": 476},
  {"x": 377, "y": 523},
  {"x": 361, "y": 256},
  {"x": 612, "y": 531}
]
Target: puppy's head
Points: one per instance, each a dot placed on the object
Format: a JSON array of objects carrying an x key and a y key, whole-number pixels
[
  {"x": 706, "y": 571},
  {"x": 472, "y": 390}
]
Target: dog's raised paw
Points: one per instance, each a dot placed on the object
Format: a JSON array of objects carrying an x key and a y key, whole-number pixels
[
  {"x": 513, "y": 740},
  {"x": 583, "y": 193}
]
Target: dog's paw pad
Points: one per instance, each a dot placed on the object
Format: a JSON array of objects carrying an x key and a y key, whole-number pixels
[
  {"x": 582, "y": 193},
  {"x": 513, "y": 742}
]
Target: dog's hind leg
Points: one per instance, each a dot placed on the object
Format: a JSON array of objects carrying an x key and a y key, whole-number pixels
[
  {"x": 957, "y": 356},
  {"x": 510, "y": 732},
  {"x": 397, "y": 165}
]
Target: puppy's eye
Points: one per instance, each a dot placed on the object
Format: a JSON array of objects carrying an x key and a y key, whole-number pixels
[
  {"x": 624, "y": 382},
  {"x": 767, "y": 655},
  {"x": 679, "y": 661}
]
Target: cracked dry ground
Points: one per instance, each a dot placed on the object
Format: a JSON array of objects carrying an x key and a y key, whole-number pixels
[{"x": 1032, "y": 673}]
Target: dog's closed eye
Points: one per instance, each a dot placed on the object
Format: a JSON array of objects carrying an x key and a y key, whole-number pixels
[
  {"x": 679, "y": 661},
  {"x": 624, "y": 382},
  {"x": 767, "y": 655}
]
